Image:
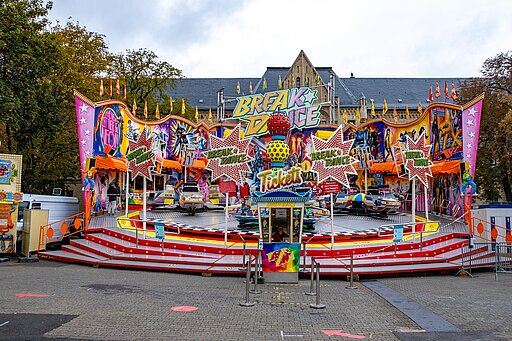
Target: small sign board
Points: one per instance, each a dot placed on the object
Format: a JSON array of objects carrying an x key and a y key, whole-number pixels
[
  {"x": 398, "y": 233},
  {"x": 159, "y": 230},
  {"x": 260, "y": 244},
  {"x": 330, "y": 186}
]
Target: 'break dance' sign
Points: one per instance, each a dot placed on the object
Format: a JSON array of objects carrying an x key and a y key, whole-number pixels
[{"x": 297, "y": 103}]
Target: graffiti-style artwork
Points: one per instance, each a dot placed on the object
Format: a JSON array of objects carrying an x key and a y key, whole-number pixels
[
  {"x": 10, "y": 196},
  {"x": 105, "y": 129},
  {"x": 446, "y": 194},
  {"x": 281, "y": 257},
  {"x": 8, "y": 172},
  {"x": 108, "y": 131},
  {"x": 446, "y": 133}
]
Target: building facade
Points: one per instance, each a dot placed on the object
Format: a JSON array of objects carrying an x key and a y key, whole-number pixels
[{"x": 343, "y": 100}]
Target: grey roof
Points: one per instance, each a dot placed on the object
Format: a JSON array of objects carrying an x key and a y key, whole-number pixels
[
  {"x": 397, "y": 91},
  {"x": 203, "y": 91}
]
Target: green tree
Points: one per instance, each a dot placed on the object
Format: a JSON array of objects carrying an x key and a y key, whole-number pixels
[
  {"x": 29, "y": 57},
  {"x": 39, "y": 68},
  {"x": 494, "y": 163},
  {"x": 147, "y": 79}
]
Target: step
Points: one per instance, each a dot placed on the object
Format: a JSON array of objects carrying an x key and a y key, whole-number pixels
[
  {"x": 69, "y": 257},
  {"x": 129, "y": 247},
  {"x": 118, "y": 254},
  {"x": 177, "y": 242},
  {"x": 82, "y": 252}
]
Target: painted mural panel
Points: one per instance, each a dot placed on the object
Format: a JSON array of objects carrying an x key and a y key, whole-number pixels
[
  {"x": 171, "y": 137},
  {"x": 446, "y": 133}
]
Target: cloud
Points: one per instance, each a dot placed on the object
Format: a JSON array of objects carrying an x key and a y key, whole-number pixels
[{"x": 241, "y": 38}]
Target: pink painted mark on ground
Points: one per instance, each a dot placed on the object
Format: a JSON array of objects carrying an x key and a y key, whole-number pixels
[
  {"x": 183, "y": 308},
  {"x": 341, "y": 333},
  {"x": 31, "y": 295}
]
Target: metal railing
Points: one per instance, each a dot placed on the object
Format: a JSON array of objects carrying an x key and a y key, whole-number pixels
[
  {"x": 314, "y": 289},
  {"x": 119, "y": 219},
  {"x": 494, "y": 255},
  {"x": 64, "y": 228}
]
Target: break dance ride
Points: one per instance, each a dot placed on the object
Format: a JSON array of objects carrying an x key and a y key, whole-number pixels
[{"x": 290, "y": 163}]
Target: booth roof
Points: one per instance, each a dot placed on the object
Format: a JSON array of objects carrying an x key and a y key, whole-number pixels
[
  {"x": 175, "y": 165},
  {"x": 385, "y": 167},
  {"x": 281, "y": 196},
  {"x": 445, "y": 167},
  {"x": 111, "y": 163}
]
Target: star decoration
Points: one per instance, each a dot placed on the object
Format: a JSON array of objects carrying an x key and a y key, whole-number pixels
[
  {"x": 233, "y": 171},
  {"x": 83, "y": 120},
  {"x": 469, "y": 123},
  {"x": 83, "y": 107},
  {"x": 143, "y": 168},
  {"x": 472, "y": 134},
  {"x": 83, "y": 142},
  {"x": 87, "y": 153},
  {"x": 310, "y": 96},
  {"x": 416, "y": 171},
  {"x": 87, "y": 132},
  {"x": 472, "y": 111},
  {"x": 336, "y": 171},
  {"x": 469, "y": 145}
]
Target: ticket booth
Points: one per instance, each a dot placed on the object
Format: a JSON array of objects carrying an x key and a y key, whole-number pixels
[{"x": 280, "y": 217}]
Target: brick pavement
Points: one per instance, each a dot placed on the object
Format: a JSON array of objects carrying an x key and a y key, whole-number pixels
[{"x": 113, "y": 304}]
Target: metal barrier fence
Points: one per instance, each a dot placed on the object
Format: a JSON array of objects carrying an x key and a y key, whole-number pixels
[
  {"x": 59, "y": 230},
  {"x": 496, "y": 256}
]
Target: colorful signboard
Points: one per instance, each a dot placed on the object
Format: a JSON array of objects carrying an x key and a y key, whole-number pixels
[
  {"x": 141, "y": 159},
  {"x": 331, "y": 159},
  {"x": 10, "y": 195},
  {"x": 228, "y": 157},
  {"x": 281, "y": 257},
  {"x": 471, "y": 129},
  {"x": 416, "y": 157},
  {"x": 297, "y": 103},
  {"x": 274, "y": 179},
  {"x": 159, "y": 230},
  {"x": 10, "y": 172},
  {"x": 398, "y": 233}
]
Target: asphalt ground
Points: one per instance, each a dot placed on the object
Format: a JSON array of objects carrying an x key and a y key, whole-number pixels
[{"x": 50, "y": 300}]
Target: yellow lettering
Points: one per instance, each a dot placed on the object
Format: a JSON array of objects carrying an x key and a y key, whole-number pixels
[
  {"x": 281, "y": 101},
  {"x": 255, "y": 104},
  {"x": 268, "y": 99},
  {"x": 242, "y": 108},
  {"x": 256, "y": 125}
]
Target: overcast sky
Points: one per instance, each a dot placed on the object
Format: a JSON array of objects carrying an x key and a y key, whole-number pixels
[{"x": 235, "y": 38}]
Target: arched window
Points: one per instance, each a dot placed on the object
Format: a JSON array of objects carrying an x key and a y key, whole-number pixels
[{"x": 297, "y": 82}]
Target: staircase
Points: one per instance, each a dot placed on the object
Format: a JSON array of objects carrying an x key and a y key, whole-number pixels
[{"x": 205, "y": 252}]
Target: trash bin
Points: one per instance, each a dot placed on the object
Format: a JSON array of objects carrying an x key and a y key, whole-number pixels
[{"x": 32, "y": 222}]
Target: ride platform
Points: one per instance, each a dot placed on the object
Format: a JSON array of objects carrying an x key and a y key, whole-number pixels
[{"x": 208, "y": 250}]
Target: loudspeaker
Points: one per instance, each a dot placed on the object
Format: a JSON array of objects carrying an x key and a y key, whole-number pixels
[
  {"x": 109, "y": 151},
  {"x": 464, "y": 167},
  {"x": 89, "y": 163},
  {"x": 446, "y": 154}
]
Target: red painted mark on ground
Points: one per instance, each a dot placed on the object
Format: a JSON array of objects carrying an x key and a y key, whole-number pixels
[
  {"x": 341, "y": 333},
  {"x": 185, "y": 308},
  {"x": 31, "y": 295}
]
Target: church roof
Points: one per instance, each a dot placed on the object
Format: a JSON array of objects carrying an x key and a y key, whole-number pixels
[{"x": 202, "y": 92}]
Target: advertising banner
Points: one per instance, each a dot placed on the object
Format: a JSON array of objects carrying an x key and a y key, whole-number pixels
[{"x": 281, "y": 257}]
